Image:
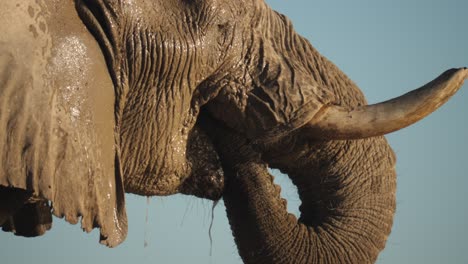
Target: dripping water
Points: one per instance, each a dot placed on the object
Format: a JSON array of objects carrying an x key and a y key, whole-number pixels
[
  {"x": 187, "y": 208},
  {"x": 211, "y": 226},
  {"x": 145, "y": 242}
]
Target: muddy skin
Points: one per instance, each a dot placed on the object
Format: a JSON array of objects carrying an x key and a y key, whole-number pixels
[
  {"x": 56, "y": 116},
  {"x": 156, "y": 97}
]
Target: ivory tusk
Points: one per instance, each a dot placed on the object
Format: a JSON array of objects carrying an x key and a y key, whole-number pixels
[{"x": 335, "y": 122}]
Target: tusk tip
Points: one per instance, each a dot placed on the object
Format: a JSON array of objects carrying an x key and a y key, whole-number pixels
[
  {"x": 464, "y": 72},
  {"x": 458, "y": 73}
]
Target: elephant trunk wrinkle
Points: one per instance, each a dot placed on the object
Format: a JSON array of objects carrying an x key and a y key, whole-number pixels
[{"x": 347, "y": 191}]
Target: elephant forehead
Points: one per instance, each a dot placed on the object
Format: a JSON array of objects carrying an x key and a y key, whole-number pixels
[{"x": 195, "y": 14}]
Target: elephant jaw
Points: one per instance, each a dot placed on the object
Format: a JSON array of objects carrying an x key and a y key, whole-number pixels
[
  {"x": 187, "y": 164},
  {"x": 334, "y": 122}
]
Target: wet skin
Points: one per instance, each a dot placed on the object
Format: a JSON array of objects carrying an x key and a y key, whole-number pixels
[{"x": 161, "y": 97}]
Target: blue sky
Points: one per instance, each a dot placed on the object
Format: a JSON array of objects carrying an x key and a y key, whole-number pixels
[{"x": 387, "y": 48}]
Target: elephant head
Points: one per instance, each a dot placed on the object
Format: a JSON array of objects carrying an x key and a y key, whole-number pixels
[{"x": 198, "y": 93}]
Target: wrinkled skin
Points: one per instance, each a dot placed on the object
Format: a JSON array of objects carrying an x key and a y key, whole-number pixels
[{"x": 99, "y": 98}]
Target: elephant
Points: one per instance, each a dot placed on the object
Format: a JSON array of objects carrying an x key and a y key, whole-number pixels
[{"x": 195, "y": 97}]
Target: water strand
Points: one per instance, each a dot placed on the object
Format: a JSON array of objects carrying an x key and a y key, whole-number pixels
[
  {"x": 211, "y": 225},
  {"x": 145, "y": 243}
]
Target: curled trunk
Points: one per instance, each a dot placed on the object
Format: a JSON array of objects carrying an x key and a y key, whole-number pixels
[{"x": 347, "y": 189}]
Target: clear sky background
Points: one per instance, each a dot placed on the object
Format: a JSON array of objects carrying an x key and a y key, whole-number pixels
[{"x": 388, "y": 48}]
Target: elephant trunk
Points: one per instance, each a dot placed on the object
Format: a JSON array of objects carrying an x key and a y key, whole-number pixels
[{"x": 347, "y": 189}]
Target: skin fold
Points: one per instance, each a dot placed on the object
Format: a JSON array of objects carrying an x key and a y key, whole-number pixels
[{"x": 157, "y": 97}]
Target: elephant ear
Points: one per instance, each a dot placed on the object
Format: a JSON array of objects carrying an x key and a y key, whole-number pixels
[{"x": 57, "y": 123}]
